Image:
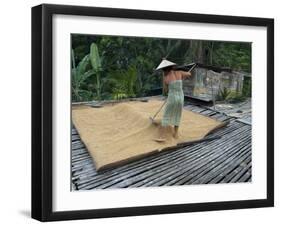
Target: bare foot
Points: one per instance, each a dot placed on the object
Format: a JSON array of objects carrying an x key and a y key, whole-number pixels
[
  {"x": 160, "y": 139},
  {"x": 156, "y": 122},
  {"x": 176, "y": 135},
  {"x": 176, "y": 132}
]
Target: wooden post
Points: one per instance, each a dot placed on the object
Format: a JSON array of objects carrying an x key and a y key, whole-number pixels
[{"x": 213, "y": 98}]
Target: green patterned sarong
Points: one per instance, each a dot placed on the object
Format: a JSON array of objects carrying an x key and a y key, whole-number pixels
[{"x": 174, "y": 105}]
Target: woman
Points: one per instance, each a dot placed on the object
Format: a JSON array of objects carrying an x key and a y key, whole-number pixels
[{"x": 172, "y": 83}]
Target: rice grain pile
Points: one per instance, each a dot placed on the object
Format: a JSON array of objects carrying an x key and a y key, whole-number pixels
[{"x": 120, "y": 133}]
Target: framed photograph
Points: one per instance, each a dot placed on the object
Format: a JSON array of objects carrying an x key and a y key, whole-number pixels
[{"x": 139, "y": 112}]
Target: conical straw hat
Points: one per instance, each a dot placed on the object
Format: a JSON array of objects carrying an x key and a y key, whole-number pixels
[{"x": 165, "y": 63}]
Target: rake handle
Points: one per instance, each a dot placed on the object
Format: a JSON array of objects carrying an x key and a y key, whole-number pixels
[{"x": 159, "y": 109}]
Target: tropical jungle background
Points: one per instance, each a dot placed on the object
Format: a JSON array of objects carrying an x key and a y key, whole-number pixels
[{"x": 113, "y": 67}]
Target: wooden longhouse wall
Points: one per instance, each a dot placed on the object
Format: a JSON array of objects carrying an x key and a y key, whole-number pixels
[{"x": 206, "y": 83}]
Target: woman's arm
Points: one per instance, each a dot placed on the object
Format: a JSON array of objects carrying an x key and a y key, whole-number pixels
[{"x": 185, "y": 74}]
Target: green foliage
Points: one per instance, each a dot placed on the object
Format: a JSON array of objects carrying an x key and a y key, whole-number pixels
[
  {"x": 223, "y": 94},
  {"x": 95, "y": 58},
  {"x": 124, "y": 83},
  {"x": 96, "y": 65},
  {"x": 234, "y": 97},
  {"x": 247, "y": 87},
  {"x": 86, "y": 76},
  {"x": 106, "y": 67},
  {"x": 230, "y": 96},
  {"x": 233, "y": 55},
  {"x": 79, "y": 76}
]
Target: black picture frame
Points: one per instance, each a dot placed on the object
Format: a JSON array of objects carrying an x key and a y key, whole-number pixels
[{"x": 42, "y": 107}]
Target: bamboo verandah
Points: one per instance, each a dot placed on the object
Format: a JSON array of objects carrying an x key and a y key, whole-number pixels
[{"x": 224, "y": 160}]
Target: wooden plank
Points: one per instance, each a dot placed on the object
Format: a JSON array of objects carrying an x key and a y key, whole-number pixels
[
  {"x": 162, "y": 169},
  {"x": 231, "y": 167},
  {"x": 150, "y": 175},
  {"x": 233, "y": 173},
  {"x": 220, "y": 117},
  {"x": 81, "y": 153},
  {"x": 240, "y": 174},
  {"x": 159, "y": 160},
  {"x": 195, "y": 108},
  {"x": 246, "y": 176},
  {"x": 244, "y": 120},
  {"x": 204, "y": 169},
  {"x": 146, "y": 172},
  {"x": 223, "y": 144},
  {"x": 195, "y": 147},
  {"x": 118, "y": 175},
  {"x": 80, "y": 158},
  {"x": 218, "y": 167},
  {"x": 207, "y": 112},
  {"x": 75, "y": 137},
  {"x": 78, "y": 152},
  {"x": 192, "y": 169},
  {"x": 141, "y": 163},
  {"x": 169, "y": 160},
  {"x": 77, "y": 145}
]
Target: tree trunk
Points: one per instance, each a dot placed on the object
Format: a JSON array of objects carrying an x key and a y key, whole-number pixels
[
  {"x": 211, "y": 53},
  {"x": 200, "y": 52}
]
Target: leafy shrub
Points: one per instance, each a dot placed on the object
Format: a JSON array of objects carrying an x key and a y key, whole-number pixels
[
  {"x": 234, "y": 97},
  {"x": 124, "y": 83},
  {"x": 223, "y": 94},
  {"x": 79, "y": 75},
  {"x": 247, "y": 87},
  {"x": 230, "y": 96}
]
